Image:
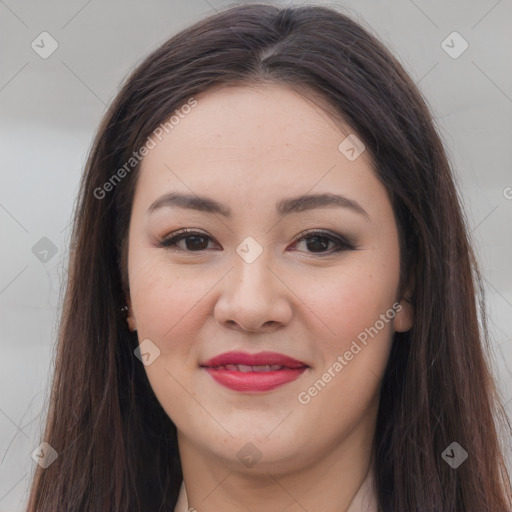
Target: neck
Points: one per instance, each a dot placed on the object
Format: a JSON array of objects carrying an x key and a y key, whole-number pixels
[{"x": 330, "y": 487}]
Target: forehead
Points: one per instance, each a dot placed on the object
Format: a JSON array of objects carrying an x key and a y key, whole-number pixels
[
  {"x": 253, "y": 142},
  {"x": 245, "y": 118}
]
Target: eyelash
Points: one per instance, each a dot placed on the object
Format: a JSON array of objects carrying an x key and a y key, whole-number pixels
[{"x": 341, "y": 243}]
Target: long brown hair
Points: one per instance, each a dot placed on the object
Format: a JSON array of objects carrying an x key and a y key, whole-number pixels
[{"x": 117, "y": 448}]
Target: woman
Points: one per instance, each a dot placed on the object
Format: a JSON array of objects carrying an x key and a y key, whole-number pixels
[{"x": 271, "y": 301}]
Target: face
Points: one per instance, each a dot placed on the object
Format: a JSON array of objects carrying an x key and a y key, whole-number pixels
[{"x": 310, "y": 280}]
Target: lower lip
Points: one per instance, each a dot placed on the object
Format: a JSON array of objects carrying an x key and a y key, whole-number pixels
[{"x": 255, "y": 381}]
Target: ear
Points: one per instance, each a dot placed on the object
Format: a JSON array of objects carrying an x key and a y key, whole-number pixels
[
  {"x": 404, "y": 317},
  {"x": 130, "y": 318}
]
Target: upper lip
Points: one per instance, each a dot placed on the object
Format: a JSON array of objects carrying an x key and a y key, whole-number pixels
[{"x": 259, "y": 359}]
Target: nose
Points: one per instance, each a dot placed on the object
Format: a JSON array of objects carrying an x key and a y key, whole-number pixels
[{"x": 254, "y": 298}]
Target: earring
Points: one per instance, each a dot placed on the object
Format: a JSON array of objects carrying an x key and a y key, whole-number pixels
[{"x": 125, "y": 310}]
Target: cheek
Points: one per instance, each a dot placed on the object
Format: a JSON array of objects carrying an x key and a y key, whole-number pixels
[
  {"x": 166, "y": 304},
  {"x": 352, "y": 300},
  {"x": 163, "y": 298},
  {"x": 346, "y": 381},
  {"x": 357, "y": 305}
]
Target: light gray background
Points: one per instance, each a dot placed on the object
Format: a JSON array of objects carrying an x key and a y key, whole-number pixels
[{"x": 50, "y": 109}]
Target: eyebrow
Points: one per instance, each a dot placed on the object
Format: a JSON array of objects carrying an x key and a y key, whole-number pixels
[{"x": 283, "y": 207}]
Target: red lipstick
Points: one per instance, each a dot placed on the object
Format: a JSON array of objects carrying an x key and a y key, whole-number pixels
[{"x": 263, "y": 371}]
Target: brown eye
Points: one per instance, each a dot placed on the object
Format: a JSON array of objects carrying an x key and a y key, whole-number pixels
[
  {"x": 318, "y": 242},
  {"x": 194, "y": 241}
]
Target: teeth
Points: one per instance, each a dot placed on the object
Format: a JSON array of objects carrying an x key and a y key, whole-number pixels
[
  {"x": 262, "y": 368},
  {"x": 246, "y": 368}
]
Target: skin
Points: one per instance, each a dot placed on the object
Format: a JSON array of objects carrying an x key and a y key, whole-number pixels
[{"x": 248, "y": 148}]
